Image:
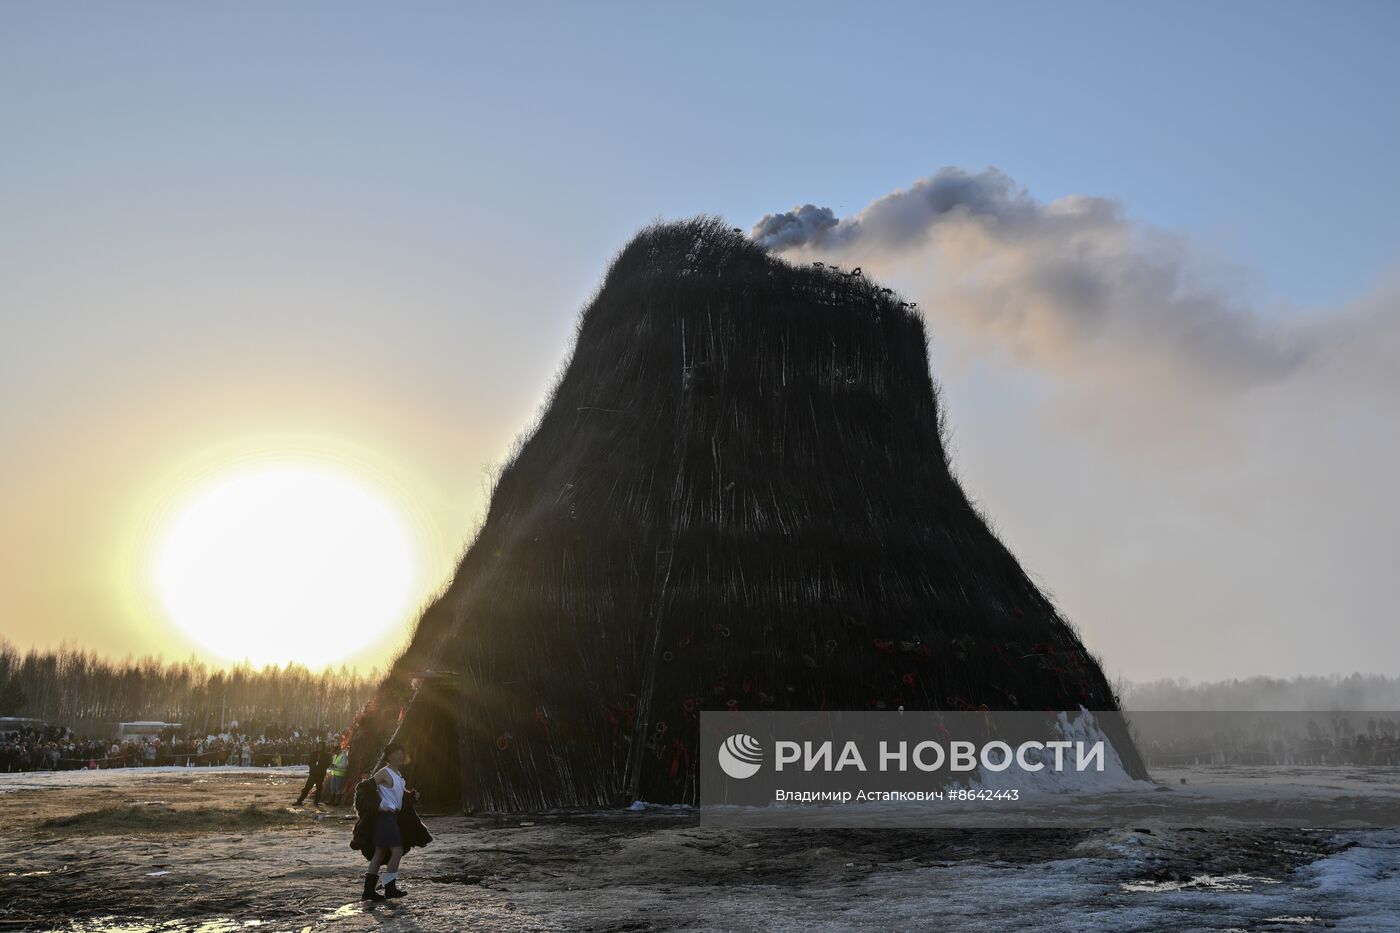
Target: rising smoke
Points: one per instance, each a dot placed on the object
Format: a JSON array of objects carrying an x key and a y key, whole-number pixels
[
  {"x": 1204, "y": 478},
  {"x": 1068, "y": 285}
]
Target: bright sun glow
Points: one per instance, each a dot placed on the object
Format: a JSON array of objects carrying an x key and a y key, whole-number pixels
[{"x": 287, "y": 564}]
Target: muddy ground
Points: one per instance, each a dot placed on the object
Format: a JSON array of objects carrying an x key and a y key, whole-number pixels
[{"x": 222, "y": 849}]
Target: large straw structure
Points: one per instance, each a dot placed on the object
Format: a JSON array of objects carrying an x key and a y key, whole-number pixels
[{"x": 737, "y": 496}]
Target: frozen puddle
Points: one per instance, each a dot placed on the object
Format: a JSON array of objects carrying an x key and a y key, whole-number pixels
[{"x": 1356, "y": 890}]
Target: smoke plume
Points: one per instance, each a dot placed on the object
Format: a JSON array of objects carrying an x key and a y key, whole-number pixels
[
  {"x": 1204, "y": 477},
  {"x": 1068, "y": 285}
]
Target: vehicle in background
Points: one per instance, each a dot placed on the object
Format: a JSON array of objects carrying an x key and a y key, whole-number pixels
[
  {"x": 11, "y": 725},
  {"x": 133, "y": 730}
]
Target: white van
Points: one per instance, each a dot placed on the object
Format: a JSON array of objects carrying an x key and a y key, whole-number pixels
[{"x": 130, "y": 730}]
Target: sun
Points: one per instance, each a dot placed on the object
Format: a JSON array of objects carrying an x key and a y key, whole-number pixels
[{"x": 287, "y": 563}]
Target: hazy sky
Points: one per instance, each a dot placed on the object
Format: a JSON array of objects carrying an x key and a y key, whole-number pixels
[{"x": 362, "y": 233}]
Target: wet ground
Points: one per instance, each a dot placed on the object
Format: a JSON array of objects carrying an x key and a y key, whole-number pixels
[{"x": 222, "y": 850}]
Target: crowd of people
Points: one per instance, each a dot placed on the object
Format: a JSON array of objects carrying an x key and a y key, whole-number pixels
[
  {"x": 46, "y": 748},
  {"x": 56, "y": 748}
]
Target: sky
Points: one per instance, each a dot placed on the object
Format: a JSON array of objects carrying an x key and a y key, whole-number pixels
[{"x": 360, "y": 234}]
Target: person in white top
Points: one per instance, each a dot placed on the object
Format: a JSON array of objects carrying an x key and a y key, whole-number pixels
[{"x": 388, "y": 843}]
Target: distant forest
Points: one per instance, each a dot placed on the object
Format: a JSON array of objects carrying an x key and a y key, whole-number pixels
[
  {"x": 1335, "y": 692},
  {"x": 76, "y": 688}
]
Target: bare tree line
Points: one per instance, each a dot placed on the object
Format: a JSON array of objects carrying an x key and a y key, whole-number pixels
[
  {"x": 76, "y": 688},
  {"x": 1311, "y": 692}
]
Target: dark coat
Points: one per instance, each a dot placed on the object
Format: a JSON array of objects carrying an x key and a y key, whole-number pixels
[
  {"x": 411, "y": 829},
  {"x": 320, "y": 761}
]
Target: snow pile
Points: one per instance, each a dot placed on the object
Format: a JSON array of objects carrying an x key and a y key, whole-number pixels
[
  {"x": 1362, "y": 882},
  {"x": 1082, "y": 729}
]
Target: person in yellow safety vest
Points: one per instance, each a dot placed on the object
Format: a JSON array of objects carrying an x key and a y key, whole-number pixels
[{"x": 339, "y": 763}]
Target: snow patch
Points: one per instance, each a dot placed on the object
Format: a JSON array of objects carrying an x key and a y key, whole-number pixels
[
  {"x": 1085, "y": 729},
  {"x": 117, "y": 777}
]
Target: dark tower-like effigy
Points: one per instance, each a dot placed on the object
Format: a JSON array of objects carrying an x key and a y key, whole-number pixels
[{"x": 736, "y": 497}]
